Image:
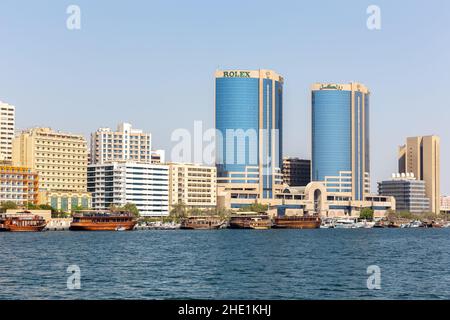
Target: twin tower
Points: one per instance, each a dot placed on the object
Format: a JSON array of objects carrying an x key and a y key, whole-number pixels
[{"x": 249, "y": 143}]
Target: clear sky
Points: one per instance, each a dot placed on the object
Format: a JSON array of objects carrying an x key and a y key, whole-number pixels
[{"x": 152, "y": 63}]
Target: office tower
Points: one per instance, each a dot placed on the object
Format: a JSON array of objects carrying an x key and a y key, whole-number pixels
[
  {"x": 248, "y": 119},
  {"x": 7, "y": 126},
  {"x": 124, "y": 144},
  {"x": 145, "y": 185},
  {"x": 341, "y": 138},
  {"x": 296, "y": 172},
  {"x": 409, "y": 193},
  {"x": 193, "y": 185},
  {"x": 60, "y": 160},
  {"x": 421, "y": 157}
]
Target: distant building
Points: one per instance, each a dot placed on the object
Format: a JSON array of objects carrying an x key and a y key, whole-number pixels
[
  {"x": 7, "y": 127},
  {"x": 445, "y": 204},
  {"x": 145, "y": 185},
  {"x": 341, "y": 138},
  {"x": 60, "y": 160},
  {"x": 158, "y": 157},
  {"x": 296, "y": 172},
  {"x": 124, "y": 144},
  {"x": 408, "y": 192},
  {"x": 19, "y": 185},
  {"x": 193, "y": 185},
  {"x": 421, "y": 157}
]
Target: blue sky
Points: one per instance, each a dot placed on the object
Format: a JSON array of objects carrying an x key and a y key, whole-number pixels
[{"x": 152, "y": 63}]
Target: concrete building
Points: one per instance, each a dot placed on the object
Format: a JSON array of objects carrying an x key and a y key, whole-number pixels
[
  {"x": 248, "y": 120},
  {"x": 445, "y": 204},
  {"x": 158, "y": 157},
  {"x": 124, "y": 144},
  {"x": 296, "y": 172},
  {"x": 421, "y": 157},
  {"x": 408, "y": 192},
  {"x": 60, "y": 160},
  {"x": 315, "y": 199},
  {"x": 145, "y": 185},
  {"x": 19, "y": 185},
  {"x": 341, "y": 138},
  {"x": 193, "y": 185},
  {"x": 7, "y": 127}
]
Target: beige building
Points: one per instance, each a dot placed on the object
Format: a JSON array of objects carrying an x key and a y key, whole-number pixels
[
  {"x": 59, "y": 159},
  {"x": 7, "y": 125},
  {"x": 124, "y": 144},
  {"x": 315, "y": 199},
  {"x": 192, "y": 184},
  {"x": 445, "y": 204},
  {"x": 421, "y": 157}
]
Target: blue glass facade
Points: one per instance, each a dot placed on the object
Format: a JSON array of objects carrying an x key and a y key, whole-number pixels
[
  {"x": 334, "y": 125},
  {"x": 240, "y": 106},
  {"x": 331, "y": 133},
  {"x": 237, "y": 107}
]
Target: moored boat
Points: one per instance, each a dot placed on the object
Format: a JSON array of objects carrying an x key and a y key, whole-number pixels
[
  {"x": 103, "y": 221},
  {"x": 250, "y": 221},
  {"x": 201, "y": 223},
  {"x": 298, "y": 222},
  {"x": 22, "y": 222}
]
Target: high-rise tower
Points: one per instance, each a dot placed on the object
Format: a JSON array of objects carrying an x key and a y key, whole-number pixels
[
  {"x": 341, "y": 139},
  {"x": 248, "y": 120}
]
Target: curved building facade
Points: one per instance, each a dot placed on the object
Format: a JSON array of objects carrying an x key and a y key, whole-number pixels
[
  {"x": 340, "y": 138},
  {"x": 248, "y": 119}
]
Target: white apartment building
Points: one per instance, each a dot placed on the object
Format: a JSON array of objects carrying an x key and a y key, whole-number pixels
[
  {"x": 124, "y": 144},
  {"x": 145, "y": 185},
  {"x": 7, "y": 126},
  {"x": 193, "y": 185}
]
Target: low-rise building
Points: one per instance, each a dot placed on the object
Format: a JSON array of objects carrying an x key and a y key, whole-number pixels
[
  {"x": 408, "y": 192},
  {"x": 445, "y": 204},
  {"x": 316, "y": 199},
  {"x": 116, "y": 184},
  {"x": 193, "y": 185},
  {"x": 18, "y": 184}
]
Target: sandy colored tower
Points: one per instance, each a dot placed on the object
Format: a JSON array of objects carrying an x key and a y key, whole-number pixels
[{"x": 421, "y": 156}]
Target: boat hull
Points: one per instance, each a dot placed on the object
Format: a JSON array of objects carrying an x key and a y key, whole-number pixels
[
  {"x": 297, "y": 223},
  {"x": 103, "y": 226},
  {"x": 22, "y": 228}
]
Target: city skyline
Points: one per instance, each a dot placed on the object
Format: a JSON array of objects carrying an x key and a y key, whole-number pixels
[{"x": 54, "y": 74}]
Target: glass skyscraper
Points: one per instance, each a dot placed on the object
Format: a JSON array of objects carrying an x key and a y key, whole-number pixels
[
  {"x": 340, "y": 138},
  {"x": 248, "y": 121}
]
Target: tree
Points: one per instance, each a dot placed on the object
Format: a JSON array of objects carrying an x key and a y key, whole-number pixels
[
  {"x": 179, "y": 210},
  {"x": 255, "y": 207},
  {"x": 78, "y": 208},
  {"x": 46, "y": 207},
  {"x": 8, "y": 205},
  {"x": 131, "y": 207},
  {"x": 366, "y": 213}
]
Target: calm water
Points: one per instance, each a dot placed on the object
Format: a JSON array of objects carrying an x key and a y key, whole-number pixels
[{"x": 227, "y": 264}]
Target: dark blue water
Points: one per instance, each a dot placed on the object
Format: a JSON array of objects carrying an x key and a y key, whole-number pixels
[{"x": 227, "y": 264}]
